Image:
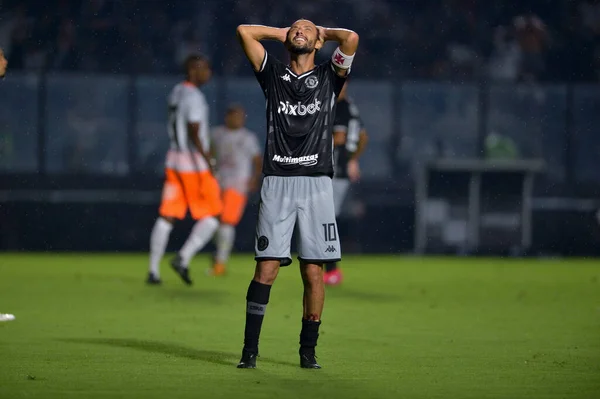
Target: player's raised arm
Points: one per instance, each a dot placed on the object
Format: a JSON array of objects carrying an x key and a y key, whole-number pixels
[
  {"x": 250, "y": 37},
  {"x": 344, "y": 54}
]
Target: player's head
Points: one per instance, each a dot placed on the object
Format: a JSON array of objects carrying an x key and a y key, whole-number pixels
[
  {"x": 303, "y": 38},
  {"x": 3, "y": 63},
  {"x": 235, "y": 117},
  {"x": 197, "y": 69}
]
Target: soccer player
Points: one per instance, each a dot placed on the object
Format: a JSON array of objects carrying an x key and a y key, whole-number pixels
[
  {"x": 239, "y": 166},
  {"x": 298, "y": 166},
  {"x": 189, "y": 180},
  {"x": 3, "y": 65},
  {"x": 349, "y": 139}
]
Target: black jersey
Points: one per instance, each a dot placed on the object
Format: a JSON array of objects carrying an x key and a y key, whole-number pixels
[
  {"x": 347, "y": 120},
  {"x": 300, "y": 112}
]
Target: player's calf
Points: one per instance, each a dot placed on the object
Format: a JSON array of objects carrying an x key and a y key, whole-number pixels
[{"x": 257, "y": 299}]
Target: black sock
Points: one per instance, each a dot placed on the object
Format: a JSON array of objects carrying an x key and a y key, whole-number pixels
[
  {"x": 329, "y": 267},
  {"x": 257, "y": 299},
  {"x": 309, "y": 335}
]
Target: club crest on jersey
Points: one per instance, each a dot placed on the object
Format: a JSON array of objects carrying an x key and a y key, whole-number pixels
[
  {"x": 298, "y": 109},
  {"x": 311, "y": 82}
]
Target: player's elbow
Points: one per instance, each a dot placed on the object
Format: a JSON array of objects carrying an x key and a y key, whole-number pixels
[
  {"x": 241, "y": 31},
  {"x": 363, "y": 138},
  {"x": 339, "y": 138},
  {"x": 352, "y": 39}
]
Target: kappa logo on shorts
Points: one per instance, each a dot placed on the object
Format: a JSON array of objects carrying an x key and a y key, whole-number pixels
[
  {"x": 263, "y": 243},
  {"x": 331, "y": 248}
]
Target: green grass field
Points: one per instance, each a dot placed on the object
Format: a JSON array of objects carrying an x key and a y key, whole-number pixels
[{"x": 399, "y": 327}]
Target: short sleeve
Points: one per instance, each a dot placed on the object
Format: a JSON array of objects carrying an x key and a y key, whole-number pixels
[
  {"x": 266, "y": 70},
  {"x": 194, "y": 108}
]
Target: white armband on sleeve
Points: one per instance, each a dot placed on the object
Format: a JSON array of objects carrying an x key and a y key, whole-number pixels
[{"x": 341, "y": 60}]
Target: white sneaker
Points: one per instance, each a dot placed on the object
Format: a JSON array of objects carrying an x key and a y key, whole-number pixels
[{"x": 6, "y": 317}]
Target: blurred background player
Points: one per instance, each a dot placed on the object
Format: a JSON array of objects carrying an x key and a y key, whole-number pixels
[
  {"x": 189, "y": 181},
  {"x": 239, "y": 166},
  {"x": 3, "y": 64},
  {"x": 349, "y": 140}
]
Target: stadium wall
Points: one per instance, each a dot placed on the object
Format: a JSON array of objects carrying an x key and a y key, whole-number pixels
[{"x": 81, "y": 156}]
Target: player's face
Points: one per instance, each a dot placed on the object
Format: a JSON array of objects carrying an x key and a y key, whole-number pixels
[
  {"x": 3, "y": 64},
  {"x": 302, "y": 37},
  {"x": 235, "y": 119},
  {"x": 200, "y": 72}
]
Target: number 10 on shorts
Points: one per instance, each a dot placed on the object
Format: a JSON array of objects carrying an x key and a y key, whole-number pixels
[{"x": 329, "y": 232}]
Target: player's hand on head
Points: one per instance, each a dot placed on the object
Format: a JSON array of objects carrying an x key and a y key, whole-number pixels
[
  {"x": 284, "y": 33},
  {"x": 322, "y": 34},
  {"x": 353, "y": 170}
]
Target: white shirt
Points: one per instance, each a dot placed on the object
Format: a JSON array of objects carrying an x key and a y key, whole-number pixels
[
  {"x": 187, "y": 104},
  {"x": 234, "y": 151}
]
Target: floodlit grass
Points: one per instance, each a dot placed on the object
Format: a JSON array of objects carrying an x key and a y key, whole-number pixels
[{"x": 399, "y": 327}]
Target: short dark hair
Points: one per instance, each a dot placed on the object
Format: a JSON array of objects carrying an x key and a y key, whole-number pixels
[
  {"x": 235, "y": 107},
  {"x": 190, "y": 59}
]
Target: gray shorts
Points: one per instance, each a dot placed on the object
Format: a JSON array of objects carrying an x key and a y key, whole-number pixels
[
  {"x": 304, "y": 203},
  {"x": 340, "y": 189}
]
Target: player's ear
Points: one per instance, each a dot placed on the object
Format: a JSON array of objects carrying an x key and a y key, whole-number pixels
[{"x": 319, "y": 43}]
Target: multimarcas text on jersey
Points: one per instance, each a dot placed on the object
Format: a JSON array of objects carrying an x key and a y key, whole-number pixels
[{"x": 300, "y": 115}]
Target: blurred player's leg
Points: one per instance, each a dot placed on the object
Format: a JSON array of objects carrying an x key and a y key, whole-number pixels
[
  {"x": 204, "y": 206},
  {"x": 234, "y": 204},
  {"x": 173, "y": 206},
  {"x": 158, "y": 244},
  {"x": 201, "y": 233},
  {"x": 224, "y": 241}
]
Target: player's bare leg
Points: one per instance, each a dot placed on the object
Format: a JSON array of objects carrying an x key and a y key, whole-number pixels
[
  {"x": 313, "y": 301},
  {"x": 158, "y": 244},
  {"x": 257, "y": 299}
]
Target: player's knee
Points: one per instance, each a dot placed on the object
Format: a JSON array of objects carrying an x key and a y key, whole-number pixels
[
  {"x": 168, "y": 219},
  {"x": 266, "y": 271},
  {"x": 211, "y": 223},
  {"x": 312, "y": 274}
]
